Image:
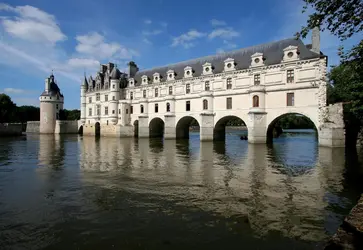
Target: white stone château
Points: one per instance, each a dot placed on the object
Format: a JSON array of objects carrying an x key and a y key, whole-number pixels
[{"x": 258, "y": 84}]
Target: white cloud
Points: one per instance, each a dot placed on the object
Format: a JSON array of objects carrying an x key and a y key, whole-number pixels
[
  {"x": 152, "y": 33},
  {"x": 94, "y": 45},
  {"x": 31, "y": 24},
  {"x": 83, "y": 63},
  {"x": 186, "y": 38},
  {"x": 215, "y": 22},
  {"x": 224, "y": 33},
  {"x": 164, "y": 24},
  {"x": 15, "y": 91},
  {"x": 147, "y": 21},
  {"x": 220, "y": 51},
  {"x": 147, "y": 41}
]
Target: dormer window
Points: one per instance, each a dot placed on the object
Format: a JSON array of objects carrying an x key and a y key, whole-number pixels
[
  {"x": 144, "y": 79},
  {"x": 188, "y": 72},
  {"x": 207, "y": 69},
  {"x": 131, "y": 82},
  {"x": 156, "y": 77},
  {"x": 291, "y": 53},
  {"x": 229, "y": 64},
  {"x": 171, "y": 75},
  {"x": 257, "y": 60}
]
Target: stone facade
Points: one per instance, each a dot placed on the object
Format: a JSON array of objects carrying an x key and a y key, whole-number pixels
[{"x": 257, "y": 84}]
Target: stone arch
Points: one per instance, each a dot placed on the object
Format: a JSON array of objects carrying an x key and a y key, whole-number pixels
[
  {"x": 182, "y": 126},
  {"x": 273, "y": 131},
  {"x": 80, "y": 130},
  {"x": 136, "y": 128},
  {"x": 97, "y": 129},
  {"x": 156, "y": 127},
  {"x": 219, "y": 131}
]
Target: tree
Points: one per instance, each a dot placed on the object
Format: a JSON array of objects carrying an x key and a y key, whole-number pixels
[
  {"x": 343, "y": 18},
  {"x": 7, "y": 108}
]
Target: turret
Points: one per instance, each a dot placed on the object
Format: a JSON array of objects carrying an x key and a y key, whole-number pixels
[
  {"x": 47, "y": 84},
  {"x": 315, "y": 40},
  {"x": 84, "y": 87}
]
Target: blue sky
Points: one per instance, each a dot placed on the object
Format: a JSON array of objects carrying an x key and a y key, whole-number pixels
[{"x": 73, "y": 37}]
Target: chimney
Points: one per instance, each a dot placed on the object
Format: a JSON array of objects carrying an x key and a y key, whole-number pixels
[
  {"x": 132, "y": 69},
  {"x": 47, "y": 85},
  {"x": 110, "y": 66},
  {"x": 315, "y": 40}
]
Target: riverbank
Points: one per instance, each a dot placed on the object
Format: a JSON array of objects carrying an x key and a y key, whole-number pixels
[
  {"x": 350, "y": 233},
  {"x": 11, "y": 129}
]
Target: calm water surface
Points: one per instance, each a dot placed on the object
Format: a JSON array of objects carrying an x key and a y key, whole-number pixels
[{"x": 70, "y": 192}]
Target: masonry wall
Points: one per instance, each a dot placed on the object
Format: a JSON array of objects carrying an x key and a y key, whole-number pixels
[
  {"x": 32, "y": 126},
  {"x": 66, "y": 127},
  {"x": 10, "y": 129}
]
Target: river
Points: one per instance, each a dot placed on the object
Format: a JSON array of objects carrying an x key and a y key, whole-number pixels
[{"x": 73, "y": 192}]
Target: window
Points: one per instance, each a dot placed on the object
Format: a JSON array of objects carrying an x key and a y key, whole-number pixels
[
  {"x": 187, "y": 88},
  {"x": 127, "y": 111},
  {"x": 131, "y": 109},
  {"x": 57, "y": 97},
  {"x": 56, "y": 106},
  {"x": 144, "y": 93},
  {"x": 106, "y": 110},
  {"x": 106, "y": 98},
  {"x": 257, "y": 79},
  {"x": 206, "y": 86},
  {"x": 57, "y": 116},
  {"x": 113, "y": 98},
  {"x": 131, "y": 95},
  {"x": 229, "y": 83},
  {"x": 187, "y": 106},
  {"x": 205, "y": 104},
  {"x": 113, "y": 86},
  {"x": 98, "y": 109},
  {"x": 156, "y": 92},
  {"x": 119, "y": 111},
  {"x": 256, "y": 101},
  {"x": 167, "y": 107},
  {"x": 170, "y": 90},
  {"x": 90, "y": 111},
  {"x": 229, "y": 102},
  {"x": 156, "y": 108},
  {"x": 89, "y": 99},
  {"x": 98, "y": 97},
  {"x": 290, "y": 99},
  {"x": 290, "y": 76},
  {"x": 141, "y": 109},
  {"x": 113, "y": 112}
]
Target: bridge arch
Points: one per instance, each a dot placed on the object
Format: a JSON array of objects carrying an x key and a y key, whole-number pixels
[
  {"x": 156, "y": 127},
  {"x": 80, "y": 130},
  {"x": 97, "y": 129},
  {"x": 182, "y": 126},
  {"x": 273, "y": 127},
  {"x": 136, "y": 128},
  {"x": 219, "y": 131}
]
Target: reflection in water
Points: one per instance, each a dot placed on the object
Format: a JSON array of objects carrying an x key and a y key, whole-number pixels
[{"x": 138, "y": 193}]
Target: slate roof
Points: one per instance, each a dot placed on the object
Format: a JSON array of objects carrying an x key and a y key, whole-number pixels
[
  {"x": 272, "y": 52},
  {"x": 53, "y": 89}
]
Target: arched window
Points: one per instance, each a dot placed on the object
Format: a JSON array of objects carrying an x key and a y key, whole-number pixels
[
  {"x": 167, "y": 107},
  {"x": 229, "y": 83},
  {"x": 205, "y": 104},
  {"x": 141, "y": 109},
  {"x": 256, "y": 101}
]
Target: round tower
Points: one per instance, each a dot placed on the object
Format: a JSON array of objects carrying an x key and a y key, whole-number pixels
[
  {"x": 84, "y": 87},
  {"x": 115, "y": 94},
  {"x": 51, "y": 102}
]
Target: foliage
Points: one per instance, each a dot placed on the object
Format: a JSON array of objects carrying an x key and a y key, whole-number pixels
[
  {"x": 65, "y": 114},
  {"x": 27, "y": 113},
  {"x": 7, "y": 108},
  {"x": 294, "y": 121}
]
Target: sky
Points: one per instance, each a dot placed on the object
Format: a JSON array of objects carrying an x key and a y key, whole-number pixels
[{"x": 73, "y": 37}]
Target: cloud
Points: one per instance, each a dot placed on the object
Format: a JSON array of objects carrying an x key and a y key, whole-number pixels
[
  {"x": 220, "y": 51},
  {"x": 215, "y": 22},
  {"x": 15, "y": 91},
  {"x": 147, "y": 41},
  {"x": 224, "y": 33},
  {"x": 226, "y": 46},
  {"x": 31, "y": 24},
  {"x": 186, "y": 38},
  {"x": 147, "y": 21},
  {"x": 83, "y": 63},
  {"x": 152, "y": 33},
  {"x": 164, "y": 24},
  {"x": 94, "y": 45}
]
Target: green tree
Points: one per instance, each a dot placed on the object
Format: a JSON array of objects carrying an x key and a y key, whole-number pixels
[{"x": 7, "y": 108}]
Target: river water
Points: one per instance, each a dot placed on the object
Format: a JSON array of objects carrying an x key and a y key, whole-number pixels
[{"x": 72, "y": 192}]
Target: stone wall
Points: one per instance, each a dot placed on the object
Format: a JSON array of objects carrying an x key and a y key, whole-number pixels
[
  {"x": 332, "y": 131},
  {"x": 10, "y": 129},
  {"x": 32, "y": 126},
  {"x": 66, "y": 127},
  {"x": 350, "y": 233}
]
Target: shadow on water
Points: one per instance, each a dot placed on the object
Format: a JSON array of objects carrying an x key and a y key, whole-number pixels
[{"x": 112, "y": 193}]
